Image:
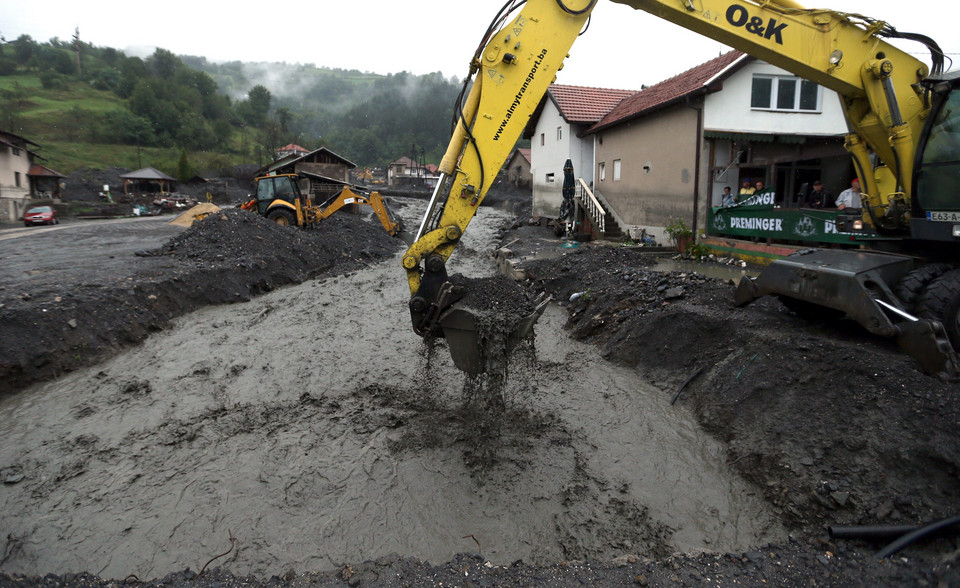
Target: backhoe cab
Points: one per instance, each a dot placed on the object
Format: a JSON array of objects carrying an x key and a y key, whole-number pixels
[{"x": 279, "y": 199}]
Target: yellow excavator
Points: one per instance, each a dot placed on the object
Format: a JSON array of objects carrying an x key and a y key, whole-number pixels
[
  {"x": 279, "y": 199},
  {"x": 904, "y": 134}
]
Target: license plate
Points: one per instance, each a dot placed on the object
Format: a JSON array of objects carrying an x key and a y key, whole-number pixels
[{"x": 952, "y": 217}]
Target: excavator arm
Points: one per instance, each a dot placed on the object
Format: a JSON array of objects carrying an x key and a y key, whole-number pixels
[
  {"x": 374, "y": 200},
  {"x": 517, "y": 59}
]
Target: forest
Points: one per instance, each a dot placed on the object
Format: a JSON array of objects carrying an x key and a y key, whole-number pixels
[{"x": 75, "y": 98}]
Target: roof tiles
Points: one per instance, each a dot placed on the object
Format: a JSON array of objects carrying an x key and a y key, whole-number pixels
[
  {"x": 668, "y": 91},
  {"x": 579, "y": 104}
]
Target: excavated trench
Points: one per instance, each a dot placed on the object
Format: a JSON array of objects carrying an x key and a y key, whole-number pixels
[{"x": 314, "y": 427}]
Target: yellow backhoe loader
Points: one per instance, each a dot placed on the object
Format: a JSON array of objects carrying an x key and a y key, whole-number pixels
[{"x": 279, "y": 199}]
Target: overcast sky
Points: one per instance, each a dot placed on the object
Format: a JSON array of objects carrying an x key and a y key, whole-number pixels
[{"x": 623, "y": 48}]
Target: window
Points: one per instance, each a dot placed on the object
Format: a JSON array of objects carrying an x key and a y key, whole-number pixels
[
  {"x": 550, "y": 179},
  {"x": 16, "y": 179},
  {"x": 940, "y": 163},
  {"x": 602, "y": 171},
  {"x": 559, "y": 133},
  {"x": 616, "y": 170},
  {"x": 542, "y": 142},
  {"x": 265, "y": 189},
  {"x": 784, "y": 93}
]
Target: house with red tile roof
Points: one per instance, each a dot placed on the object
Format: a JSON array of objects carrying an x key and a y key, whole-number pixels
[
  {"x": 556, "y": 135},
  {"x": 518, "y": 168},
  {"x": 290, "y": 149},
  {"x": 666, "y": 152},
  {"x": 408, "y": 172}
]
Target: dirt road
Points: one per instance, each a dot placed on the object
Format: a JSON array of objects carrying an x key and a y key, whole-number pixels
[{"x": 310, "y": 424}]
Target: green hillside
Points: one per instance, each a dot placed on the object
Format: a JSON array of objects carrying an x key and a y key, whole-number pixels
[{"x": 90, "y": 106}]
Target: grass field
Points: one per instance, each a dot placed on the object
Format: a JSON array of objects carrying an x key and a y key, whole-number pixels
[{"x": 53, "y": 119}]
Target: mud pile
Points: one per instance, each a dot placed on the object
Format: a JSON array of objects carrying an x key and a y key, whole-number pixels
[
  {"x": 87, "y": 184},
  {"x": 838, "y": 427},
  {"x": 227, "y": 257}
]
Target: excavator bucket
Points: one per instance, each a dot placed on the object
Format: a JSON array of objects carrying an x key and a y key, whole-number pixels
[
  {"x": 390, "y": 221},
  {"x": 478, "y": 339},
  {"x": 856, "y": 283}
]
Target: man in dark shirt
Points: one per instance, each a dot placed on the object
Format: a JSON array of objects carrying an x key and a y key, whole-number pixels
[{"x": 820, "y": 197}]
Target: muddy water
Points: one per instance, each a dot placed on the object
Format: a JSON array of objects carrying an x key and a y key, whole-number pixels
[
  {"x": 730, "y": 273},
  {"x": 316, "y": 428}
]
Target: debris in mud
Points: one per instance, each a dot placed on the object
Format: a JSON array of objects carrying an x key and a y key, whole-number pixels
[
  {"x": 500, "y": 308},
  {"x": 239, "y": 236}
]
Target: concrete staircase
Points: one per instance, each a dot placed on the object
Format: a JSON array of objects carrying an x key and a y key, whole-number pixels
[{"x": 606, "y": 222}]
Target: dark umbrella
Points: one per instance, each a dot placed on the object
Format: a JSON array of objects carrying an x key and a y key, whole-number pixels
[{"x": 569, "y": 189}]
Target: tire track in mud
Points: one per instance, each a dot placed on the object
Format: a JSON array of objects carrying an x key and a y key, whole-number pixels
[{"x": 317, "y": 428}]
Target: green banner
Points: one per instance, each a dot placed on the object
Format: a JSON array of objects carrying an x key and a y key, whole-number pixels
[{"x": 783, "y": 224}]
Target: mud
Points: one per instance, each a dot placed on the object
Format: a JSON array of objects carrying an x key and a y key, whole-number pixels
[{"x": 310, "y": 424}]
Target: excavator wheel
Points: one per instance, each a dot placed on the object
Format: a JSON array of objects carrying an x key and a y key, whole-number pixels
[
  {"x": 911, "y": 286},
  {"x": 282, "y": 216},
  {"x": 941, "y": 301}
]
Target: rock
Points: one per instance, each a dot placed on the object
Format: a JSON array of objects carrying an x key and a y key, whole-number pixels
[
  {"x": 13, "y": 478},
  {"x": 840, "y": 497},
  {"x": 675, "y": 292},
  {"x": 753, "y": 556}
]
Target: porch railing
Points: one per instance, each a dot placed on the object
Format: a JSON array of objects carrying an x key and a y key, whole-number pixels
[{"x": 591, "y": 205}]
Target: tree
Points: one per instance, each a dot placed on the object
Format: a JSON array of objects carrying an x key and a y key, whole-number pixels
[
  {"x": 122, "y": 126},
  {"x": 76, "y": 48},
  {"x": 183, "y": 167},
  {"x": 53, "y": 59},
  {"x": 163, "y": 63},
  {"x": 132, "y": 70},
  {"x": 257, "y": 105},
  {"x": 23, "y": 49},
  {"x": 72, "y": 123}
]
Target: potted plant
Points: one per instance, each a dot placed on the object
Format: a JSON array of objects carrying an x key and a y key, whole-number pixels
[{"x": 680, "y": 234}]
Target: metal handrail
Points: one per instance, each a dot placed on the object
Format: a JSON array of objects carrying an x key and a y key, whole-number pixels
[{"x": 592, "y": 205}]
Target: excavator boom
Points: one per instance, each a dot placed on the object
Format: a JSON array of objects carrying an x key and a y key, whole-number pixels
[{"x": 519, "y": 56}]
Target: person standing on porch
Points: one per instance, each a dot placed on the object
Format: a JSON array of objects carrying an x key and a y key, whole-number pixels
[
  {"x": 850, "y": 198},
  {"x": 728, "y": 199}
]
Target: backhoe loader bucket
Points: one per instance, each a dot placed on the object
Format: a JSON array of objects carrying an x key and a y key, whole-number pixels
[{"x": 478, "y": 338}]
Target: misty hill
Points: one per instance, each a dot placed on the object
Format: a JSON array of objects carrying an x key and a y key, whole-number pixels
[
  {"x": 370, "y": 118},
  {"x": 92, "y": 106}
]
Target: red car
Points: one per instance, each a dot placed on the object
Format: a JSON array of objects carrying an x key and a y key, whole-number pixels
[{"x": 40, "y": 215}]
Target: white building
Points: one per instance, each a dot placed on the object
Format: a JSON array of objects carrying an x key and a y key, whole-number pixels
[{"x": 557, "y": 125}]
